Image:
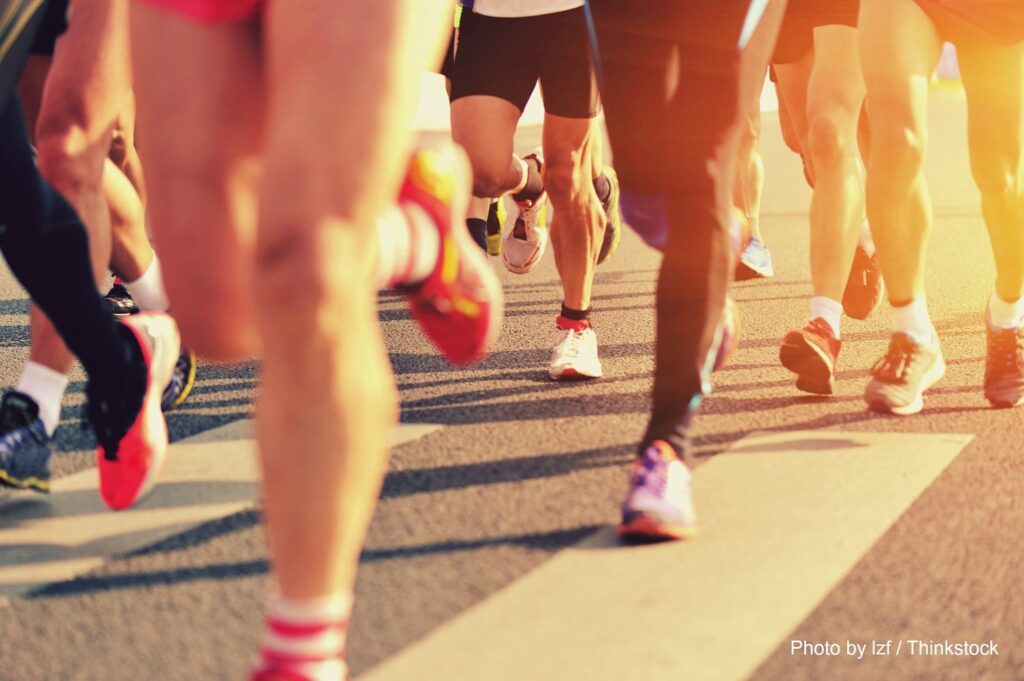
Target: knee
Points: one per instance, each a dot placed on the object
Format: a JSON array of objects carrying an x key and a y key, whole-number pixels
[
  {"x": 897, "y": 151},
  {"x": 488, "y": 182},
  {"x": 563, "y": 177},
  {"x": 829, "y": 143},
  {"x": 65, "y": 162},
  {"x": 313, "y": 274},
  {"x": 995, "y": 176}
]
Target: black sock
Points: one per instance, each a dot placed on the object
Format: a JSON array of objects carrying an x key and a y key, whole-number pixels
[
  {"x": 534, "y": 184},
  {"x": 603, "y": 187},
  {"x": 493, "y": 223},
  {"x": 575, "y": 315},
  {"x": 478, "y": 230}
]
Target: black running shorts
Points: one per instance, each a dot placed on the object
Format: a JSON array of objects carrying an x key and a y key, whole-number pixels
[
  {"x": 978, "y": 21},
  {"x": 54, "y": 23},
  {"x": 505, "y": 57},
  {"x": 796, "y": 37}
]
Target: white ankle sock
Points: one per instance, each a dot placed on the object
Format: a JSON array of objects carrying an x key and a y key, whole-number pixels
[
  {"x": 46, "y": 387},
  {"x": 912, "y": 319},
  {"x": 307, "y": 636},
  {"x": 408, "y": 245},
  {"x": 1004, "y": 315},
  {"x": 829, "y": 310},
  {"x": 148, "y": 290}
]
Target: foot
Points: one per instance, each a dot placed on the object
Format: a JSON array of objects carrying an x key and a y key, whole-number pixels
[
  {"x": 1004, "y": 366},
  {"x": 755, "y": 261},
  {"x": 864, "y": 288},
  {"x": 613, "y": 215},
  {"x": 24, "y": 444},
  {"x": 131, "y": 446},
  {"x": 900, "y": 378},
  {"x": 182, "y": 380},
  {"x": 120, "y": 301},
  {"x": 460, "y": 305},
  {"x": 525, "y": 243},
  {"x": 811, "y": 354},
  {"x": 496, "y": 216},
  {"x": 575, "y": 353},
  {"x": 659, "y": 505}
]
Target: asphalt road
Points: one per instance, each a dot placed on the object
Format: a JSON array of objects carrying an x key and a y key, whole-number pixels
[{"x": 523, "y": 469}]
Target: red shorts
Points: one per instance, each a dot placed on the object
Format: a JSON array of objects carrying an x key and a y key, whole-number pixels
[
  {"x": 987, "y": 21},
  {"x": 210, "y": 11}
]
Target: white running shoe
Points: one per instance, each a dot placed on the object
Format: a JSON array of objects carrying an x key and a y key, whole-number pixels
[
  {"x": 575, "y": 355},
  {"x": 525, "y": 243}
]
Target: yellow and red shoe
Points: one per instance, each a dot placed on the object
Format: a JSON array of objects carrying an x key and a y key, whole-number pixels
[
  {"x": 130, "y": 458},
  {"x": 460, "y": 305}
]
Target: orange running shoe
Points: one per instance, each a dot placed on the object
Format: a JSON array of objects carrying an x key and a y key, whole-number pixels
[
  {"x": 130, "y": 462},
  {"x": 460, "y": 305}
]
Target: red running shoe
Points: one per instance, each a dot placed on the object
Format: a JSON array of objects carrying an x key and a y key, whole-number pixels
[
  {"x": 864, "y": 288},
  {"x": 129, "y": 464},
  {"x": 460, "y": 305},
  {"x": 811, "y": 354}
]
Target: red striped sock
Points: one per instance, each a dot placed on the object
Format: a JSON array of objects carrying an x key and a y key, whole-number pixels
[{"x": 304, "y": 640}]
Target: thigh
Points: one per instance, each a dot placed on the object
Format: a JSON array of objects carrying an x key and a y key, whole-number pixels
[
  {"x": 568, "y": 142},
  {"x": 899, "y": 49},
  {"x": 836, "y": 85},
  {"x": 338, "y": 136},
  {"x": 993, "y": 76},
  {"x": 793, "y": 80},
  {"x": 485, "y": 127}
]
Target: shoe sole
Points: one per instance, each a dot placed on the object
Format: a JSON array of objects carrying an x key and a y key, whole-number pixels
[
  {"x": 571, "y": 375},
  {"x": 151, "y": 412},
  {"x": 645, "y": 529},
  {"x": 33, "y": 484},
  {"x": 615, "y": 221},
  {"x": 814, "y": 370},
  {"x": 999, "y": 403},
  {"x": 190, "y": 383},
  {"x": 933, "y": 376},
  {"x": 745, "y": 272}
]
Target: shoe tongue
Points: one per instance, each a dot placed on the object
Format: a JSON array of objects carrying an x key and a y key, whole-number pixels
[{"x": 22, "y": 402}]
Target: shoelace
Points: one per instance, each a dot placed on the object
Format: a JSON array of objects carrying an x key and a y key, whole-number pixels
[
  {"x": 571, "y": 344},
  {"x": 648, "y": 474},
  {"x": 893, "y": 367}
]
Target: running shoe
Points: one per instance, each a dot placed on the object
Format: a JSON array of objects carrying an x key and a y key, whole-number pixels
[
  {"x": 575, "y": 353},
  {"x": 864, "y": 288},
  {"x": 811, "y": 354},
  {"x": 525, "y": 243},
  {"x": 900, "y": 378},
  {"x": 730, "y": 335},
  {"x": 131, "y": 447},
  {"x": 120, "y": 301},
  {"x": 182, "y": 380},
  {"x": 1004, "y": 366},
  {"x": 496, "y": 216},
  {"x": 24, "y": 445},
  {"x": 460, "y": 305},
  {"x": 271, "y": 674},
  {"x": 659, "y": 505},
  {"x": 613, "y": 213},
  {"x": 755, "y": 261}
]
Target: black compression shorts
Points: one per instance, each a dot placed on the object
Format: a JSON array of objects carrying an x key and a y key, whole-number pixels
[
  {"x": 796, "y": 37},
  {"x": 993, "y": 21},
  {"x": 54, "y": 23},
  {"x": 505, "y": 58}
]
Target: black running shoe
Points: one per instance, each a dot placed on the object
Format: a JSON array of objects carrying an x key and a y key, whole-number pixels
[
  {"x": 120, "y": 301},
  {"x": 24, "y": 445}
]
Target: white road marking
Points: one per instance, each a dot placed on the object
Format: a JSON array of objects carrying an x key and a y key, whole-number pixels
[
  {"x": 784, "y": 517},
  {"x": 208, "y": 476}
]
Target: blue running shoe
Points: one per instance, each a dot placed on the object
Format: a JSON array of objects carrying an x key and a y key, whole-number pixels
[
  {"x": 755, "y": 262},
  {"x": 182, "y": 380},
  {"x": 24, "y": 445},
  {"x": 659, "y": 506}
]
